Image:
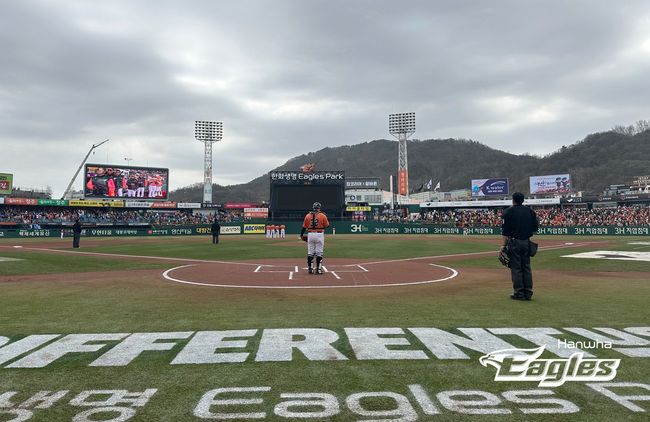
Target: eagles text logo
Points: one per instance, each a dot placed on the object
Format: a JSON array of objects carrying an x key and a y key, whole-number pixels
[{"x": 524, "y": 365}]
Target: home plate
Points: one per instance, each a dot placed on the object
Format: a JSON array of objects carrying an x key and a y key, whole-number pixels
[{"x": 620, "y": 255}]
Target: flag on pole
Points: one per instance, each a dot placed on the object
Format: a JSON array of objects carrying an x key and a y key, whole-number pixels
[
  {"x": 421, "y": 187},
  {"x": 437, "y": 188},
  {"x": 429, "y": 184}
]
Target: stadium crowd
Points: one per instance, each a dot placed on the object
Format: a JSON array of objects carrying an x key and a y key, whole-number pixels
[
  {"x": 36, "y": 217},
  {"x": 554, "y": 217}
]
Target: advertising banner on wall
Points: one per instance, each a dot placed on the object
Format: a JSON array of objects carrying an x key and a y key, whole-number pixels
[
  {"x": 490, "y": 203},
  {"x": 95, "y": 204},
  {"x": 256, "y": 212},
  {"x": 6, "y": 183},
  {"x": 190, "y": 205},
  {"x": 230, "y": 230},
  {"x": 137, "y": 204},
  {"x": 358, "y": 209},
  {"x": 239, "y": 205},
  {"x": 362, "y": 182},
  {"x": 254, "y": 229},
  {"x": 211, "y": 205},
  {"x": 490, "y": 187},
  {"x": 163, "y": 205},
  {"x": 21, "y": 201},
  {"x": 403, "y": 182},
  {"x": 53, "y": 202},
  {"x": 551, "y": 184}
]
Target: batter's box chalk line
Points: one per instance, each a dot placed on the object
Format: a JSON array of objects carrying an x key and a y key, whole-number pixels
[{"x": 334, "y": 270}]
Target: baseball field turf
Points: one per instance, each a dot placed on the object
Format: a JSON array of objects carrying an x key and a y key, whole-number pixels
[{"x": 178, "y": 329}]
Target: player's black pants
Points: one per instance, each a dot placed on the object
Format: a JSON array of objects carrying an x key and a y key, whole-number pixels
[
  {"x": 522, "y": 276},
  {"x": 75, "y": 240},
  {"x": 215, "y": 239}
]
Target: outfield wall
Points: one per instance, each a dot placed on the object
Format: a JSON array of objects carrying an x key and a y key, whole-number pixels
[{"x": 340, "y": 227}]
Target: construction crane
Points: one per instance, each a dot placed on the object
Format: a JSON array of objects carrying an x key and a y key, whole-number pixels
[{"x": 92, "y": 148}]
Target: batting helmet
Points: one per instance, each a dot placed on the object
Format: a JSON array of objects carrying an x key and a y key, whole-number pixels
[{"x": 316, "y": 206}]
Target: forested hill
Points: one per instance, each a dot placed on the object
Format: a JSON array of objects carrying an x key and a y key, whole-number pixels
[{"x": 597, "y": 161}]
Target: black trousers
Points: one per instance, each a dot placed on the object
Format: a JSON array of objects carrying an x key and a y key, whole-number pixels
[
  {"x": 522, "y": 275},
  {"x": 75, "y": 240},
  {"x": 215, "y": 238}
]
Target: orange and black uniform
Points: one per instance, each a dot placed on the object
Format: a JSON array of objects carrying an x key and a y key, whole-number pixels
[{"x": 315, "y": 223}]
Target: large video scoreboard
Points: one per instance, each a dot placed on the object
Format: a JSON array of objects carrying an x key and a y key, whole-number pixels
[{"x": 294, "y": 192}]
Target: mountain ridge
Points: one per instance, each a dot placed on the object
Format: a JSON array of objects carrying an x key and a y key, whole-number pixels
[{"x": 600, "y": 159}]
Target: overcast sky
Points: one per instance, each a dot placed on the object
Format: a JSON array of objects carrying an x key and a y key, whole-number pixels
[{"x": 289, "y": 77}]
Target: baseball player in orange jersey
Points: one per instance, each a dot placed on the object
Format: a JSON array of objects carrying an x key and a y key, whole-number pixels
[{"x": 315, "y": 223}]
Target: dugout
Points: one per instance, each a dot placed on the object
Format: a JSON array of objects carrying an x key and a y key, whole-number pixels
[{"x": 293, "y": 194}]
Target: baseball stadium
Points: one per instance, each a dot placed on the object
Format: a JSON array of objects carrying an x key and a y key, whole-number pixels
[
  {"x": 148, "y": 320},
  {"x": 216, "y": 211}
]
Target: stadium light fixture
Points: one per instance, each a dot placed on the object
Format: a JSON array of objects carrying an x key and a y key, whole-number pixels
[
  {"x": 207, "y": 132},
  {"x": 401, "y": 126}
]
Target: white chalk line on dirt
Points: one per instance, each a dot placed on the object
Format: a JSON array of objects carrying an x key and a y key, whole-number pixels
[{"x": 167, "y": 276}]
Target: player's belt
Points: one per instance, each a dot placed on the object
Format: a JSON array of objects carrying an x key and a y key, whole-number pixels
[{"x": 315, "y": 231}]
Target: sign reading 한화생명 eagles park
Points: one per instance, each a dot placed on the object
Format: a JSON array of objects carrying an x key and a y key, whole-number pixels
[
  {"x": 6, "y": 183},
  {"x": 554, "y": 183},
  {"x": 490, "y": 187}
]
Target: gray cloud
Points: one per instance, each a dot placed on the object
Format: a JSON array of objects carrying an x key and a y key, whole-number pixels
[{"x": 289, "y": 77}]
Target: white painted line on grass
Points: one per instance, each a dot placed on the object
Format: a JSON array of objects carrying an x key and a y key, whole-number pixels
[
  {"x": 161, "y": 258},
  {"x": 616, "y": 255},
  {"x": 544, "y": 248}
]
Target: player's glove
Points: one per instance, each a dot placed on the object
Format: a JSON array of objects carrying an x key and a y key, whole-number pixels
[
  {"x": 303, "y": 237},
  {"x": 504, "y": 259}
]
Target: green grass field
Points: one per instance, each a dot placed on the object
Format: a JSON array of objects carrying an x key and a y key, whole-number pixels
[{"x": 67, "y": 293}]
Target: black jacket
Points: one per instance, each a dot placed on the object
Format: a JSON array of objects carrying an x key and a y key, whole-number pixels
[
  {"x": 519, "y": 222},
  {"x": 215, "y": 228}
]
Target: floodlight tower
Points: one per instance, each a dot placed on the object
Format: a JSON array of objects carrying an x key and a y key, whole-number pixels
[
  {"x": 208, "y": 133},
  {"x": 401, "y": 126}
]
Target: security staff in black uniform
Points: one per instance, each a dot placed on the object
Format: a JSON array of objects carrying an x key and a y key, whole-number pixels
[
  {"x": 76, "y": 233},
  {"x": 216, "y": 228},
  {"x": 519, "y": 224}
]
